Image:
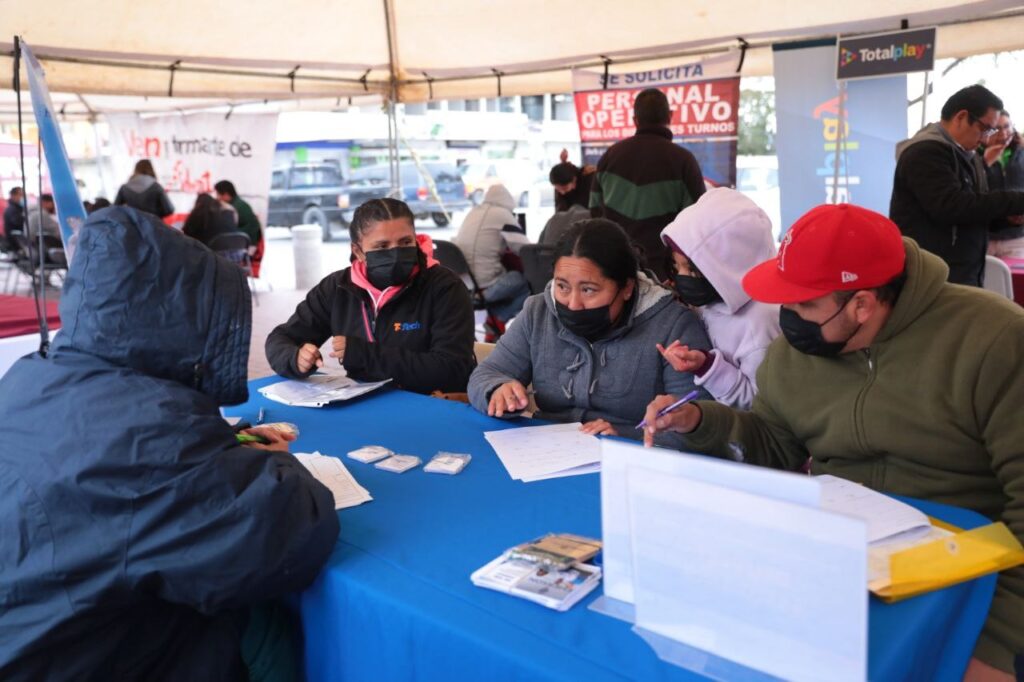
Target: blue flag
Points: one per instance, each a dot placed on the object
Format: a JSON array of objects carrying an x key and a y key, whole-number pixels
[{"x": 70, "y": 211}]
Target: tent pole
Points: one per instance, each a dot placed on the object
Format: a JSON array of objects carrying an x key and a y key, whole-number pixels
[
  {"x": 840, "y": 136},
  {"x": 924, "y": 100},
  {"x": 389, "y": 27}
]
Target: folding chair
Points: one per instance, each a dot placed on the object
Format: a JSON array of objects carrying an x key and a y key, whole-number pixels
[{"x": 234, "y": 246}]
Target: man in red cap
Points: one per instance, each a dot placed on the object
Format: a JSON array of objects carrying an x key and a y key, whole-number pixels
[{"x": 888, "y": 376}]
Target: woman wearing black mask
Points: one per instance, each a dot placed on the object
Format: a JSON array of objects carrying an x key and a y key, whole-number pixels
[
  {"x": 394, "y": 314},
  {"x": 587, "y": 344}
]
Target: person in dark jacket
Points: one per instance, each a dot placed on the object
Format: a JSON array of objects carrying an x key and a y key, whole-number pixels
[
  {"x": 247, "y": 220},
  {"x": 572, "y": 184},
  {"x": 14, "y": 212},
  {"x": 938, "y": 196},
  {"x": 135, "y": 531},
  {"x": 144, "y": 193},
  {"x": 643, "y": 182},
  {"x": 1004, "y": 161},
  {"x": 396, "y": 313},
  {"x": 209, "y": 218}
]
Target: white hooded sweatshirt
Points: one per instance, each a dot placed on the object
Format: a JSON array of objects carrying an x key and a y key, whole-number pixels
[
  {"x": 724, "y": 235},
  {"x": 485, "y": 235}
]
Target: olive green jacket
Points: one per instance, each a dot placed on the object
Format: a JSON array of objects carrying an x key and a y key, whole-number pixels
[{"x": 934, "y": 409}]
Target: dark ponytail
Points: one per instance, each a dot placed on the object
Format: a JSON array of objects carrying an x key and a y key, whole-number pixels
[
  {"x": 378, "y": 211},
  {"x": 603, "y": 242}
]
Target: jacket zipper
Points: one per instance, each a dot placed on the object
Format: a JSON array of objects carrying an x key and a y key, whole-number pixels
[{"x": 858, "y": 410}]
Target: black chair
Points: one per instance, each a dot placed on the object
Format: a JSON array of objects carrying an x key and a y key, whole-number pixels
[
  {"x": 538, "y": 265},
  {"x": 234, "y": 246},
  {"x": 27, "y": 259},
  {"x": 450, "y": 256}
]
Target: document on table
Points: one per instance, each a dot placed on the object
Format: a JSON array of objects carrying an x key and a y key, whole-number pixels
[
  {"x": 534, "y": 453},
  {"x": 318, "y": 390},
  {"x": 884, "y": 516},
  {"x": 332, "y": 473}
]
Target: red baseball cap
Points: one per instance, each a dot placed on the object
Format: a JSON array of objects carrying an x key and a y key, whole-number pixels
[{"x": 830, "y": 248}]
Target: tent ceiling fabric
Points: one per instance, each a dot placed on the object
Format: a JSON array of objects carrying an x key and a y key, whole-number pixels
[{"x": 244, "y": 50}]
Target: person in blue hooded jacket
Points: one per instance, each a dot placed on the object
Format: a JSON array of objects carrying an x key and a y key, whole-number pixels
[{"x": 137, "y": 537}]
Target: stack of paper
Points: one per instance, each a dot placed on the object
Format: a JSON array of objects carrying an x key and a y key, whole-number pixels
[
  {"x": 892, "y": 525},
  {"x": 553, "y": 588},
  {"x": 535, "y": 453},
  {"x": 332, "y": 473},
  {"x": 318, "y": 390}
]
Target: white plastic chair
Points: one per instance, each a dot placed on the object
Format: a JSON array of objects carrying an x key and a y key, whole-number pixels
[{"x": 998, "y": 277}]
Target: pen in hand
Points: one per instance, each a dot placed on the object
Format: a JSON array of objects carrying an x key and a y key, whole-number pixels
[{"x": 674, "y": 406}]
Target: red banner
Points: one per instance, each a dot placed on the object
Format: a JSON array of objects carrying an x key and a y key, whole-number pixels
[{"x": 704, "y": 109}]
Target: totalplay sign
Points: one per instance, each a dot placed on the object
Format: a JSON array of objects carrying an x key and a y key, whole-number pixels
[{"x": 885, "y": 54}]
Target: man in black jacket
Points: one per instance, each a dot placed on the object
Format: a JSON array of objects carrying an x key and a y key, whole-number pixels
[
  {"x": 938, "y": 197},
  {"x": 643, "y": 182}
]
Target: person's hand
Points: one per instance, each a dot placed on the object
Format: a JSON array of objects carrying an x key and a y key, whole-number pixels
[
  {"x": 683, "y": 420},
  {"x": 1015, "y": 219},
  {"x": 510, "y": 397},
  {"x": 979, "y": 671},
  {"x": 681, "y": 357},
  {"x": 338, "y": 348},
  {"x": 278, "y": 439},
  {"x": 599, "y": 427},
  {"x": 563, "y": 156},
  {"x": 589, "y": 170},
  {"x": 308, "y": 358},
  {"x": 993, "y": 152}
]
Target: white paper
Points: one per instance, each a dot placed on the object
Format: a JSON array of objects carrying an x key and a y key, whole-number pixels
[
  {"x": 768, "y": 584},
  {"x": 884, "y": 516},
  {"x": 618, "y": 457},
  {"x": 332, "y": 473},
  {"x": 594, "y": 468},
  {"x": 318, "y": 390},
  {"x": 535, "y": 452}
]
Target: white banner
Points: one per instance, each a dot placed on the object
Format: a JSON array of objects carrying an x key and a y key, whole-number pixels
[{"x": 191, "y": 153}]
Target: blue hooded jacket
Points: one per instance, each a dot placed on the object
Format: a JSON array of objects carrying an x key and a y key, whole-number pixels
[{"x": 134, "y": 530}]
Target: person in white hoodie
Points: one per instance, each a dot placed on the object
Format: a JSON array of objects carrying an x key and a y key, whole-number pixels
[
  {"x": 488, "y": 232},
  {"x": 714, "y": 242}
]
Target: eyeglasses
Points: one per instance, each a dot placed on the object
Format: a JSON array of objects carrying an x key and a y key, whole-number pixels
[{"x": 986, "y": 129}]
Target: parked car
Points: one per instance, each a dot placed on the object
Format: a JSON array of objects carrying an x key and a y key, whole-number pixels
[
  {"x": 319, "y": 194},
  {"x": 520, "y": 177},
  {"x": 308, "y": 194},
  {"x": 758, "y": 178},
  {"x": 375, "y": 181}
]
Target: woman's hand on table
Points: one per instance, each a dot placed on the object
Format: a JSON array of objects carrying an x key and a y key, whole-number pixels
[
  {"x": 279, "y": 440},
  {"x": 599, "y": 427},
  {"x": 509, "y": 397},
  {"x": 338, "y": 348},
  {"x": 308, "y": 358}
]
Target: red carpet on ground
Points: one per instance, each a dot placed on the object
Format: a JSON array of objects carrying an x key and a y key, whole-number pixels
[{"x": 18, "y": 315}]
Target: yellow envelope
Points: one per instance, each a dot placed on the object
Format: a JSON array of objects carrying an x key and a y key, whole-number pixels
[{"x": 963, "y": 556}]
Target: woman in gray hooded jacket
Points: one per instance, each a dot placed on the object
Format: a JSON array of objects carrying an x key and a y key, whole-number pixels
[
  {"x": 588, "y": 343},
  {"x": 144, "y": 193}
]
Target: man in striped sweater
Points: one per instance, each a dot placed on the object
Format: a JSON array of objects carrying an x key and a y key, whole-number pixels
[{"x": 644, "y": 181}]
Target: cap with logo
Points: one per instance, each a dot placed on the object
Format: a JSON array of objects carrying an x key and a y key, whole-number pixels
[{"x": 830, "y": 248}]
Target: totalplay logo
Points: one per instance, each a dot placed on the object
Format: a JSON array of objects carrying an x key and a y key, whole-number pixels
[
  {"x": 893, "y": 52},
  {"x": 847, "y": 57}
]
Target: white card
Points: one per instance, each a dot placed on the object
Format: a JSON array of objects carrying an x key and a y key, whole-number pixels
[
  {"x": 398, "y": 463},
  {"x": 370, "y": 453}
]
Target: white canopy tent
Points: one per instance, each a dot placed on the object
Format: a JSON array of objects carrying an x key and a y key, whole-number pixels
[{"x": 410, "y": 50}]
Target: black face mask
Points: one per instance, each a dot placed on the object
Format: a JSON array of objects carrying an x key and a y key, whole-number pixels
[
  {"x": 588, "y": 323},
  {"x": 695, "y": 291},
  {"x": 806, "y": 337},
  {"x": 391, "y": 267}
]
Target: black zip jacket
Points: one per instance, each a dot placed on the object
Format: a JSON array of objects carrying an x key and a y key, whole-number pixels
[
  {"x": 422, "y": 339},
  {"x": 939, "y": 201}
]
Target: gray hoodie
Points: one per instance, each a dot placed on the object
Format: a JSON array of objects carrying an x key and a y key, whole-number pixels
[
  {"x": 144, "y": 193},
  {"x": 615, "y": 378},
  {"x": 483, "y": 239}
]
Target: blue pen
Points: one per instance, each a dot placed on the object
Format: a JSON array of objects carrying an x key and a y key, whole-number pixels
[{"x": 677, "y": 404}]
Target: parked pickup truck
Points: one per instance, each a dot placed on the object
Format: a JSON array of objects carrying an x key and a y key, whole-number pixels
[{"x": 319, "y": 194}]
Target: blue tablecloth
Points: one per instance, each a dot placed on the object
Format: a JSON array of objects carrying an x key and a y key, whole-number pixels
[{"x": 395, "y": 601}]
